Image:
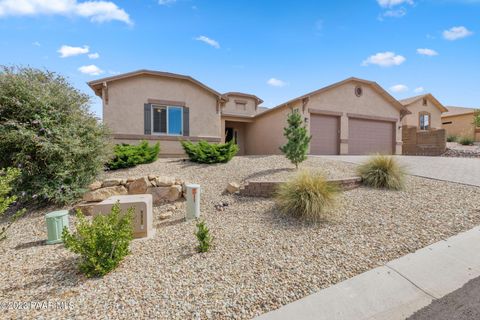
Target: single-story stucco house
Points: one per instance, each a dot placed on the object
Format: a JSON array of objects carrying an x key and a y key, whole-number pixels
[
  {"x": 458, "y": 121},
  {"x": 425, "y": 112},
  {"x": 353, "y": 116}
]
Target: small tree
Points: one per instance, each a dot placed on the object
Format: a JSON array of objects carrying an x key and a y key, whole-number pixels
[{"x": 298, "y": 139}]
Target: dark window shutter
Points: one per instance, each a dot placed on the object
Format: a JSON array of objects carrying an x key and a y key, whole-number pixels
[
  {"x": 147, "y": 118},
  {"x": 186, "y": 121},
  {"x": 163, "y": 120}
]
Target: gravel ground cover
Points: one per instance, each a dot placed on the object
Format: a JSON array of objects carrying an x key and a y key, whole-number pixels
[
  {"x": 260, "y": 259},
  {"x": 455, "y": 149}
]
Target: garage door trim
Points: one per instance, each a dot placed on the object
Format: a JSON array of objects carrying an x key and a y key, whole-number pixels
[
  {"x": 374, "y": 118},
  {"x": 325, "y": 112}
]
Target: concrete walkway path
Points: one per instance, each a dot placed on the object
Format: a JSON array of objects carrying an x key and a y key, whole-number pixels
[
  {"x": 460, "y": 170},
  {"x": 397, "y": 289}
]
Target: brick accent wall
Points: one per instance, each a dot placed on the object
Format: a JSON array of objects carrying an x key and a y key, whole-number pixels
[
  {"x": 266, "y": 189},
  {"x": 423, "y": 143}
]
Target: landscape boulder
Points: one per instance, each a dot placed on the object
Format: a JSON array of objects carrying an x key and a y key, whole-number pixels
[
  {"x": 165, "y": 194},
  {"x": 95, "y": 185},
  {"x": 85, "y": 208},
  {"x": 111, "y": 183},
  {"x": 233, "y": 187},
  {"x": 139, "y": 186},
  {"x": 164, "y": 181},
  {"x": 104, "y": 193}
]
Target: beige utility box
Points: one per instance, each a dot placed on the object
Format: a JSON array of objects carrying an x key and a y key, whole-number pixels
[{"x": 143, "y": 215}]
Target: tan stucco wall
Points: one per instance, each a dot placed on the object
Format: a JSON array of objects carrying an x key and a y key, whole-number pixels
[
  {"x": 417, "y": 107},
  {"x": 167, "y": 148},
  {"x": 462, "y": 125},
  {"x": 126, "y": 97},
  {"x": 231, "y": 106},
  {"x": 265, "y": 135}
]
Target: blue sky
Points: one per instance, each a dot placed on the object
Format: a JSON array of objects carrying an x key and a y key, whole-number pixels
[{"x": 277, "y": 50}]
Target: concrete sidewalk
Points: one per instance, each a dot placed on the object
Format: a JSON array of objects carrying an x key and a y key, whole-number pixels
[
  {"x": 396, "y": 290},
  {"x": 460, "y": 170}
]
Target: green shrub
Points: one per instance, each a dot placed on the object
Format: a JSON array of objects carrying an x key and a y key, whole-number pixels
[
  {"x": 476, "y": 118},
  {"x": 47, "y": 131},
  {"x": 308, "y": 196},
  {"x": 297, "y": 139},
  {"x": 127, "y": 155},
  {"x": 466, "y": 141},
  {"x": 204, "y": 152},
  {"x": 102, "y": 243},
  {"x": 452, "y": 138},
  {"x": 7, "y": 178},
  {"x": 382, "y": 172},
  {"x": 203, "y": 237}
]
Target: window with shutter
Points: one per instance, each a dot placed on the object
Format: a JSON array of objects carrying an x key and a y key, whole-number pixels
[{"x": 167, "y": 120}]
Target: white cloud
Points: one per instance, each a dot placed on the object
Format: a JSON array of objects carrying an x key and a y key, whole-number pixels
[
  {"x": 384, "y": 59},
  {"x": 399, "y": 88},
  {"x": 427, "y": 52},
  {"x": 97, "y": 11},
  {"x": 393, "y": 3},
  {"x": 418, "y": 90},
  {"x": 94, "y": 55},
  {"x": 68, "y": 51},
  {"x": 397, "y": 13},
  {"x": 36, "y": 44},
  {"x": 166, "y": 2},
  {"x": 92, "y": 70},
  {"x": 208, "y": 41},
  {"x": 455, "y": 33},
  {"x": 274, "y": 82}
]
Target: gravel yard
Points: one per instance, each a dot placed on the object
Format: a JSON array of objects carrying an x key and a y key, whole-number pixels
[
  {"x": 455, "y": 149},
  {"x": 260, "y": 259}
]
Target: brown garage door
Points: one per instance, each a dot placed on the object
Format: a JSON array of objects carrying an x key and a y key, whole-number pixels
[
  {"x": 370, "y": 136},
  {"x": 325, "y": 134}
]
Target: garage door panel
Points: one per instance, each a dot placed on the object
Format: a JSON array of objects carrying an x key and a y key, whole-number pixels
[
  {"x": 325, "y": 134},
  {"x": 370, "y": 136}
]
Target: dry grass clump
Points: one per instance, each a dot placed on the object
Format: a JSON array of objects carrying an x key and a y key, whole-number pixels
[
  {"x": 382, "y": 171},
  {"x": 307, "y": 196}
]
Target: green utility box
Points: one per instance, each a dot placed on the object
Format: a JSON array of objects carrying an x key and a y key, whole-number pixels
[{"x": 56, "y": 221}]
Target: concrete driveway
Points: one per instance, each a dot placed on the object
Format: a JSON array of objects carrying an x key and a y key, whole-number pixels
[{"x": 460, "y": 170}]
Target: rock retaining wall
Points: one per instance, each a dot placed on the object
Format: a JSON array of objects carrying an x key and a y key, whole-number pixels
[
  {"x": 163, "y": 189},
  {"x": 267, "y": 189}
]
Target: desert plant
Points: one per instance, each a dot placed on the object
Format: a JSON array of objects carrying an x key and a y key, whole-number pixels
[
  {"x": 466, "y": 141},
  {"x": 476, "y": 118},
  {"x": 203, "y": 237},
  {"x": 204, "y": 152},
  {"x": 308, "y": 196},
  {"x": 48, "y": 132},
  {"x": 297, "y": 139},
  {"x": 127, "y": 155},
  {"x": 382, "y": 171},
  {"x": 7, "y": 178},
  {"x": 101, "y": 243},
  {"x": 452, "y": 138}
]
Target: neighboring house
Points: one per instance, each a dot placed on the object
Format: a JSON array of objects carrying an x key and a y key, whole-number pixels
[
  {"x": 458, "y": 121},
  {"x": 426, "y": 112},
  {"x": 353, "y": 116}
]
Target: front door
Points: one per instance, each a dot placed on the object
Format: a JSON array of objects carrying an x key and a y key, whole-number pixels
[{"x": 231, "y": 134}]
